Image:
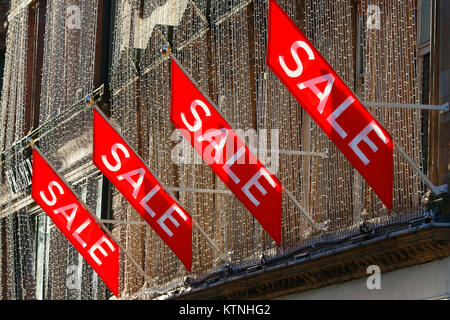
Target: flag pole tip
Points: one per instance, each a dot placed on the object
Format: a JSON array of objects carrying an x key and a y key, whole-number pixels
[
  {"x": 89, "y": 100},
  {"x": 30, "y": 141},
  {"x": 166, "y": 50}
]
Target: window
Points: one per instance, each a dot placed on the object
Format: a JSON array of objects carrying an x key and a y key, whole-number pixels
[
  {"x": 425, "y": 29},
  {"x": 424, "y": 45},
  {"x": 360, "y": 23},
  {"x": 35, "y": 48},
  {"x": 42, "y": 253}
]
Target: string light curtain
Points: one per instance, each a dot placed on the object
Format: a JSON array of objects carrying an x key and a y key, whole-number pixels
[
  {"x": 13, "y": 89},
  {"x": 391, "y": 75},
  {"x": 38, "y": 258},
  {"x": 223, "y": 46},
  {"x": 69, "y": 55},
  {"x": 14, "y": 223},
  {"x": 67, "y": 78}
]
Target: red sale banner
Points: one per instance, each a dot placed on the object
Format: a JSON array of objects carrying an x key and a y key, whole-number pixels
[
  {"x": 328, "y": 100},
  {"x": 128, "y": 173},
  {"x": 215, "y": 141},
  {"x": 75, "y": 222}
]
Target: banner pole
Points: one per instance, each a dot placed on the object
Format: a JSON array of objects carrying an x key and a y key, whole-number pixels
[
  {"x": 437, "y": 190},
  {"x": 442, "y": 108},
  {"x": 213, "y": 245}
]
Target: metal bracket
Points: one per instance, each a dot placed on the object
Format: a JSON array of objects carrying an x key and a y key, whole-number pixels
[
  {"x": 96, "y": 96},
  {"x": 438, "y": 190},
  {"x": 316, "y": 226}
]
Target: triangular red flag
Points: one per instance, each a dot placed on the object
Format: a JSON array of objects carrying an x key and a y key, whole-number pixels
[
  {"x": 75, "y": 221},
  {"x": 125, "y": 169},
  {"x": 199, "y": 121}
]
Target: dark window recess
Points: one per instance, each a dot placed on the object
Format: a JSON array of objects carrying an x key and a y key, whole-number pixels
[
  {"x": 4, "y": 7},
  {"x": 425, "y": 27},
  {"x": 3, "y": 256},
  {"x": 2, "y": 66},
  {"x": 360, "y": 38},
  {"x": 35, "y": 54},
  {"x": 425, "y": 99}
]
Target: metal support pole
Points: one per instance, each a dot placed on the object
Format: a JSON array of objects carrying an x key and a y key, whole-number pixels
[
  {"x": 303, "y": 211},
  {"x": 437, "y": 190},
  {"x": 142, "y": 223},
  {"x": 136, "y": 223},
  {"x": 442, "y": 108},
  {"x": 138, "y": 267},
  {"x": 180, "y": 189},
  {"x": 323, "y": 154},
  {"x": 213, "y": 245}
]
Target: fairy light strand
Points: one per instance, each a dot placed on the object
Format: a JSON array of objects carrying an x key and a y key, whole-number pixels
[{"x": 222, "y": 44}]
